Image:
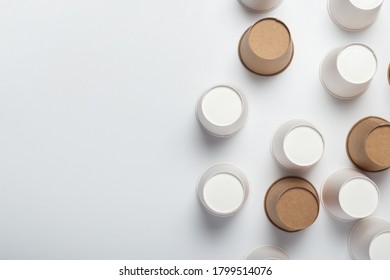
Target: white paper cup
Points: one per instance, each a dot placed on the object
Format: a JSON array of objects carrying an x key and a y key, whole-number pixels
[
  {"x": 267, "y": 252},
  {"x": 297, "y": 145},
  {"x": 348, "y": 195},
  {"x": 346, "y": 72},
  {"x": 354, "y": 15},
  {"x": 260, "y": 5},
  {"x": 222, "y": 111},
  {"x": 370, "y": 239},
  {"x": 223, "y": 189}
]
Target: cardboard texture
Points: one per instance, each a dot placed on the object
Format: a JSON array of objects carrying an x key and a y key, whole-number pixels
[
  {"x": 368, "y": 144},
  {"x": 292, "y": 204},
  {"x": 266, "y": 48}
]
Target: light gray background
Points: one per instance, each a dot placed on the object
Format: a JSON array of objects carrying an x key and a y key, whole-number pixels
[{"x": 100, "y": 150}]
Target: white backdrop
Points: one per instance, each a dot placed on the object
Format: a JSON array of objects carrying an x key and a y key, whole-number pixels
[{"x": 100, "y": 149}]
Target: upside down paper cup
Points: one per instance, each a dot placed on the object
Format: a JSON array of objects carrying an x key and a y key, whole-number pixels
[
  {"x": 223, "y": 189},
  {"x": 297, "y": 145},
  {"x": 347, "y": 71},
  {"x": 369, "y": 239},
  {"x": 292, "y": 204},
  {"x": 222, "y": 111},
  {"x": 266, "y": 48},
  {"x": 260, "y": 5},
  {"x": 354, "y": 15},
  {"x": 348, "y": 195},
  {"x": 368, "y": 144}
]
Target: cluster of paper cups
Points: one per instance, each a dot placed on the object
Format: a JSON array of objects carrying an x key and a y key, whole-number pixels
[
  {"x": 346, "y": 71},
  {"x": 292, "y": 203}
]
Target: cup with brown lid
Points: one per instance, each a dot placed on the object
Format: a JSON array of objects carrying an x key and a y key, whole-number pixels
[
  {"x": 368, "y": 144},
  {"x": 266, "y": 48},
  {"x": 292, "y": 204}
]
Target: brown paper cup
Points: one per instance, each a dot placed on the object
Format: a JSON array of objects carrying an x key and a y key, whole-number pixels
[
  {"x": 292, "y": 204},
  {"x": 266, "y": 48},
  {"x": 368, "y": 144}
]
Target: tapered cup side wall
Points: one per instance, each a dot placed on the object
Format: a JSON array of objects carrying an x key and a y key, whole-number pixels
[
  {"x": 348, "y": 195},
  {"x": 346, "y": 72},
  {"x": 354, "y": 15},
  {"x": 370, "y": 239}
]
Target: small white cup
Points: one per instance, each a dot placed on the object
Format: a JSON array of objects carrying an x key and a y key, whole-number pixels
[
  {"x": 346, "y": 72},
  {"x": 260, "y": 5},
  {"x": 223, "y": 189},
  {"x": 222, "y": 111},
  {"x": 297, "y": 145},
  {"x": 354, "y": 15},
  {"x": 267, "y": 252},
  {"x": 348, "y": 195},
  {"x": 370, "y": 239}
]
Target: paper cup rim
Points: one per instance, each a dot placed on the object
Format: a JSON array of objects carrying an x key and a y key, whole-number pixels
[
  {"x": 218, "y": 168},
  {"x": 242, "y": 119}
]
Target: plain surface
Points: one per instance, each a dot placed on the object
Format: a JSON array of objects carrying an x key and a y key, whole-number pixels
[{"x": 100, "y": 149}]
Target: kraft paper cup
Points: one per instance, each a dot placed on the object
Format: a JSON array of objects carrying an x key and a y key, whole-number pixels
[
  {"x": 266, "y": 48},
  {"x": 354, "y": 15},
  {"x": 369, "y": 239},
  {"x": 292, "y": 204},
  {"x": 267, "y": 252},
  {"x": 297, "y": 145},
  {"x": 348, "y": 195},
  {"x": 368, "y": 144},
  {"x": 346, "y": 72},
  {"x": 223, "y": 189},
  {"x": 260, "y": 5},
  {"x": 222, "y": 111}
]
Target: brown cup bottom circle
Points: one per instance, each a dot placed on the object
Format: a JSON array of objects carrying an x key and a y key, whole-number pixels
[
  {"x": 266, "y": 75},
  {"x": 349, "y": 134},
  {"x": 312, "y": 192}
]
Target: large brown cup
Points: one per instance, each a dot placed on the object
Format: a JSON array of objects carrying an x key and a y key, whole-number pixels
[
  {"x": 266, "y": 48},
  {"x": 292, "y": 204}
]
